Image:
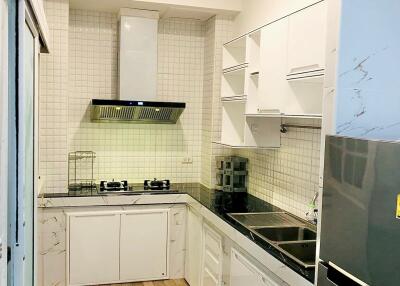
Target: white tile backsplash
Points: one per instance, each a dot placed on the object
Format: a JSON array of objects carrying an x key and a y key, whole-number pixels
[
  {"x": 83, "y": 66},
  {"x": 288, "y": 176},
  {"x": 135, "y": 151},
  {"x": 53, "y": 100}
]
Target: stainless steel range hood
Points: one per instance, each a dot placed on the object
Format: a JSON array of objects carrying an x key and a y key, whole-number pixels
[
  {"x": 137, "y": 103},
  {"x": 104, "y": 110}
]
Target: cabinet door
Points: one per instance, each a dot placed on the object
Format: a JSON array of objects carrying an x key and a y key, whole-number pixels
[
  {"x": 274, "y": 93},
  {"x": 193, "y": 250},
  {"x": 306, "y": 49},
  {"x": 143, "y": 245},
  {"x": 94, "y": 248},
  {"x": 244, "y": 273},
  {"x": 212, "y": 256}
]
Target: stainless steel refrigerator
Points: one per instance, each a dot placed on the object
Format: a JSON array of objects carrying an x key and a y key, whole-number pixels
[{"x": 360, "y": 226}]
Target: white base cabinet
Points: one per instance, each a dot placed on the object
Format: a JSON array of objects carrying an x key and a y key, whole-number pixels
[
  {"x": 193, "y": 249},
  {"x": 245, "y": 273},
  {"x": 212, "y": 258},
  {"x": 117, "y": 246},
  {"x": 143, "y": 246},
  {"x": 93, "y": 248}
]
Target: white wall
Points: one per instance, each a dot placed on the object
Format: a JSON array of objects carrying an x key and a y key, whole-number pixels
[
  {"x": 256, "y": 13},
  {"x": 82, "y": 66}
]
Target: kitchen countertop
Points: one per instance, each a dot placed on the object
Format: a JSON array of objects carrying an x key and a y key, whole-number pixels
[{"x": 220, "y": 203}]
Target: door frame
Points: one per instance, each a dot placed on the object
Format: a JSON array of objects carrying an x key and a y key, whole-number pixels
[
  {"x": 17, "y": 243},
  {"x": 3, "y": 138},
  {"x": 32, "y": 26}
]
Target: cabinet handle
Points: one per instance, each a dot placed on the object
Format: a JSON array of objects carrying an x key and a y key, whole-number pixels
[{"x": 305, "y": 69}]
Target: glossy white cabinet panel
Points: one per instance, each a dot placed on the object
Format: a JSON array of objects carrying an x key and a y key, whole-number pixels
[
  {"x": 307, "y": 40},
  {"x": 277, "y": 95},
  {"x": 138, "y": 58},
  {"x": 143, "y": 245},
  {"x": 94, "y": 248},
  {"x": 274, "y": 93}
]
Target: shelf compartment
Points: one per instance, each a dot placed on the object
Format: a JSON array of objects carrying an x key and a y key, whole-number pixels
[
  {"x": 234, "y": 52},
  {"x": 233, "y": 121},
  {"x": 233, "y": 83}
]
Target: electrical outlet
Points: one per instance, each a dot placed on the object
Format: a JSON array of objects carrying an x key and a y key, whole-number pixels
[{"x": 187, "y": 160}]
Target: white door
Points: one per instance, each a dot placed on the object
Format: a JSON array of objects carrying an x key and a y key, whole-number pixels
[
  {"x": 307, "y": 40},
  {"x": 193, "y": 249},
  {"x": 212, "y": 256},
  {"x": 93, "y": 248},
  {"x": 3, "y": 140},
  {"x": 144, "y": 245}
]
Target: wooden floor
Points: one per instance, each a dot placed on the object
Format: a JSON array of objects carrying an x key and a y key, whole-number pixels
[{"x": 180, "y": 282}]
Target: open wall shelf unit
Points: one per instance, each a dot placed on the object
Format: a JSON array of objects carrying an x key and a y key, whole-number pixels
[{"x": 267, "y": 76}]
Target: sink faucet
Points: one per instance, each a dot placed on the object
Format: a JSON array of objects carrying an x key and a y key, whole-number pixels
[{"x": 312, "y": 215}]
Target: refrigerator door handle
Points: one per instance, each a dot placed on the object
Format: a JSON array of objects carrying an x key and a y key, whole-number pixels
[{"x": 330, "y": 274}]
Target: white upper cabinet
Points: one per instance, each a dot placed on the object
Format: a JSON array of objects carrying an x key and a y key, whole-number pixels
[
  {"x": 307, "y": 40},
  {"x": 273, "y": 72},
  {"x": 274, "y": 96},
  {"x": 302, "y": 95}
]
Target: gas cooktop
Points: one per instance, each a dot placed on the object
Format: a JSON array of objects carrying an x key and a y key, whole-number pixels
[{"x": 118, "y": 187}]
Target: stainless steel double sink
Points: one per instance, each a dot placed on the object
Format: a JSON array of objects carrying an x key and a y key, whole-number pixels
[{"x": 291, "y": 235}]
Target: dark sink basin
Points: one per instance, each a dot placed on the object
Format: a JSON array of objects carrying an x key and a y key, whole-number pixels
[
  {"x": 294, "y": 233},
  {"x": 302, "y": 252}
]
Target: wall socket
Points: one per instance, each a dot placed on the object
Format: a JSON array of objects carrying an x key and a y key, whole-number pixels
[{"x": 187, "y": 160}]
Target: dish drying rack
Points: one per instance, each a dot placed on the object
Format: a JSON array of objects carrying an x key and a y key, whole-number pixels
[{"x": 81, "y": 171}]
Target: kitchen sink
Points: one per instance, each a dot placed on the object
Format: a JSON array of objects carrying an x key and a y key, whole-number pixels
[
  {"x": 255, "y": 220},
  {"x": 294, "y": 233},
  {"x": 302, "y": 252},
  {"x": 287, "y": 233}
]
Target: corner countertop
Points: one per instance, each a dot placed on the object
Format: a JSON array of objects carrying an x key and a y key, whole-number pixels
[{"x": 219, "y": 203}]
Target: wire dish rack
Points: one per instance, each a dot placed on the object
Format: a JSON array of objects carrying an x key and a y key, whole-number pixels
[{"x": 81, "y": 171}]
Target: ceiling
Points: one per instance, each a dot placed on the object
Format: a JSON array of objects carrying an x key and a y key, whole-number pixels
[{"x": 193, "y": 9}]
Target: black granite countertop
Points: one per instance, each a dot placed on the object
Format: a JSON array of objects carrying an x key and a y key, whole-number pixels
[{"x": 220, "y": 203}]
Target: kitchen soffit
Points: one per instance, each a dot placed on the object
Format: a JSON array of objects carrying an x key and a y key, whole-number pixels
[{"x": 201, "y": 10}]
